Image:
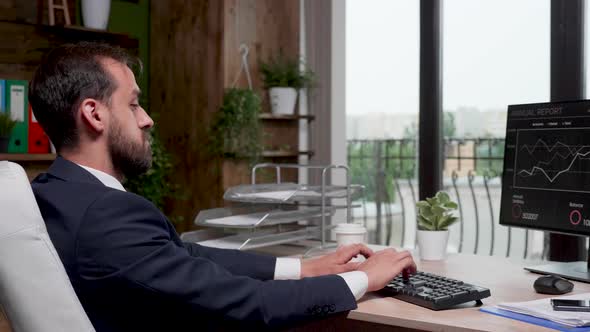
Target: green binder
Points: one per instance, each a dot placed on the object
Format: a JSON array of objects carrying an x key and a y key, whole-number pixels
[{"x": 16, "y": 105}]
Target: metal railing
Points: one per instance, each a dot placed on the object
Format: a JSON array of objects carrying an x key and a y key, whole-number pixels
[{"x": 472, "y": 176}]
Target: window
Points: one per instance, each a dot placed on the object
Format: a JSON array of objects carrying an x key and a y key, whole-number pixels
[
  {"x": 495, "y": 53},
  {"x": 382, "y": 59}
]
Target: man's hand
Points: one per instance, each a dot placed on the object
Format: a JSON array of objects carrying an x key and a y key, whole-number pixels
[
  {"x": 336, "y": 262},
  {"x": 385, "y": 265}
]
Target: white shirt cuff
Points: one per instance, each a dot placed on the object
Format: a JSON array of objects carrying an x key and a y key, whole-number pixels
[
  {"x": 357, "y": 281},
  {"x": 287, "y": 268}
]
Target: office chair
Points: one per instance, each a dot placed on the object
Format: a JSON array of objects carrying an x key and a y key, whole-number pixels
[{"x": 35, "y": 291}]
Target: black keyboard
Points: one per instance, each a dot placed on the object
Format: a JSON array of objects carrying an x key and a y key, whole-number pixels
[{"x": 434, "y": 292}]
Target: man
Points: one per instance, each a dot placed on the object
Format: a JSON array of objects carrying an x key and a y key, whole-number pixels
[{"x": 123, "y": 257}]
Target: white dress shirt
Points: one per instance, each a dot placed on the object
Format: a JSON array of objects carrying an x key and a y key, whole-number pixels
[{"x": 285, "y": 268}]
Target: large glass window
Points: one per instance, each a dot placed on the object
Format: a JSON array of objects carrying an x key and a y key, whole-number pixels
[
  {"x": 495, "y": 53},
  {"x": 382, "y": 59}
]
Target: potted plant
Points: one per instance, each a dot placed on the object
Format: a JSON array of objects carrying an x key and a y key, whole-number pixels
[
  {"x": 435, "y": 215},
  {"x": 283, "y": 78},
  {"x": 235, "y": 132},
  {"x": 6, "y": 126}
]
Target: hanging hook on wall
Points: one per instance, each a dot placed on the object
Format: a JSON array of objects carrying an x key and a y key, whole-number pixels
[{"x": 244, "y": 51}]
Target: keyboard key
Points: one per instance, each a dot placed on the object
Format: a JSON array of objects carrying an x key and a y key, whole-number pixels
[
  {"x": 417, "y": 283},
  {"x": 441, "y": 298},
  {"x": 457, "y": 294}
]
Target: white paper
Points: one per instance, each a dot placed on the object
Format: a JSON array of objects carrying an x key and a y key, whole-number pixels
[
  {"x": 17, "y": 103},
  {"x": 239, "y": 220},
  {"x": 542, "y": 309},
  {"x": 222, "y": 243},
  {"x": 282, "y": 195}
]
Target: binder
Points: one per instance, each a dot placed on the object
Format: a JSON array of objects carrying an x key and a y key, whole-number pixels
[
  {"x": 38, "y": 140},
  {"x": 16, "y": 102},
  {"x": 2, "y": 96}
]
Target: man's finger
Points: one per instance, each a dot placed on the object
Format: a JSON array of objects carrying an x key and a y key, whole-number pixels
[
  {"x": 401, "y": 255},
  {"x": 348, "y": 252},
  {"x": 406, "y": 263}
]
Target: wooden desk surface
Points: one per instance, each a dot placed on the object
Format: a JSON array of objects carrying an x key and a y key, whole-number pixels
[{"x": 507, "y": 281}]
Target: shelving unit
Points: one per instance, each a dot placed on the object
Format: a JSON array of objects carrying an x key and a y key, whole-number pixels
[
  {"x": 28, "y": 42},
  {"x": 274, "y": 213},
  {"x": 18, "y": 157}
]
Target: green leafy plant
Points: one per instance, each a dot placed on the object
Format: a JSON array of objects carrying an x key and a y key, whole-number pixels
[
  {"x": 6, "y": 124},
  {"x": 285, "y": 72},
  {"x": 436, "y": 213},
  {"x": 235, "y": 132},
  {"x": 157, "y": 184}
]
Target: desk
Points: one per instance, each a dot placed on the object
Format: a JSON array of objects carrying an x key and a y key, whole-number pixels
[{"x": 507, "y": 281}]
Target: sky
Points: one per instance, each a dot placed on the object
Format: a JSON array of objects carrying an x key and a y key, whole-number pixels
[{"x": 495, "y": 53}]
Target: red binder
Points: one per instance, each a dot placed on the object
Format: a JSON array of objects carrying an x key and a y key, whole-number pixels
[{"x": 38, "y": 140}]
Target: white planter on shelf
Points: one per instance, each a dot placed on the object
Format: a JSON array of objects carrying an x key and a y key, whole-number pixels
[
  {"x": 433, "y": 244},
  {"x": 282, "y": 100},
  {"x": 95, "y": 13}
]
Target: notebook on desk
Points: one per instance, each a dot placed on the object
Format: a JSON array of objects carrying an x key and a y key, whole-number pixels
[{"x": 540, "y": 312}]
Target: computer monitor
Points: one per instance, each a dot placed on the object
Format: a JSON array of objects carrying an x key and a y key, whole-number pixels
[{"x": 546, "y": 174}]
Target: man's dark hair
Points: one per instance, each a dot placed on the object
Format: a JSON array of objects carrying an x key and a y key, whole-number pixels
[{"x": 66, "y": 76}]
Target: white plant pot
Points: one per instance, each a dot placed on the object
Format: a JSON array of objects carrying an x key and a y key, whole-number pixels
[
  {"x": 282, "y": 100},
  {"x": 95, "y": 13},
  {"x": 433, "y": 244}
]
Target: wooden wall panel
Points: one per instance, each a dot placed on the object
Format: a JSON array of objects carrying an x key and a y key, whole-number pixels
[
  {"x": 185, "y": 90},
  {"x": 268, "y": 28},
  {"x": 195, "y": 55}
]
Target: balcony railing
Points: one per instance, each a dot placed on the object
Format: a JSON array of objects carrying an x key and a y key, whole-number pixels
[{"x": 472, "y": 176}]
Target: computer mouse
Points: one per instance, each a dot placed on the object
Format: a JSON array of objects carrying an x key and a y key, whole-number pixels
[{"x": 552, "y": 284}]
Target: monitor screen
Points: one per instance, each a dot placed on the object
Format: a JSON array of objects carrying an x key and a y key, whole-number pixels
[{"x": 546, "y": 173}]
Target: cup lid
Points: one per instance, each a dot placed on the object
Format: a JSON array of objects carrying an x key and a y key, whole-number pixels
[{"x": 346, "y": 228}]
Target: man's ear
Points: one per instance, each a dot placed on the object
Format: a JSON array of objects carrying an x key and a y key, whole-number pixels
[{"x": 93, "y": 115}]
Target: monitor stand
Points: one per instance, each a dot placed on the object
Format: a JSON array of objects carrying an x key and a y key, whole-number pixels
[{"x": 578, "y": 271}]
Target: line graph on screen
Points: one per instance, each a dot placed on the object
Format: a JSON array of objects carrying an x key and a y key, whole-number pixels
[{"x": 553, "y": 159}]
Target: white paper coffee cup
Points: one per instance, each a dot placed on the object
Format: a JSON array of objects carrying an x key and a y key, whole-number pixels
[{"x": 350, "y": 234}]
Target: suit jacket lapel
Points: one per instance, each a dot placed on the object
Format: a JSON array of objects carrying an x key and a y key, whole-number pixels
[{"x": 69, "y": 171}]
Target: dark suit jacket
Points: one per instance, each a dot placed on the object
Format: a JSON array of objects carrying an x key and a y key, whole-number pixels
[{"x": 132, "y": 272}]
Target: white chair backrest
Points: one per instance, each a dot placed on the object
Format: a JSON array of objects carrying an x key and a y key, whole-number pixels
[{"x": 34, "y": 288}]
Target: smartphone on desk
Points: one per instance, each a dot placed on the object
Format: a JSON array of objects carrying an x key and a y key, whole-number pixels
[{"x": 570, "y": 305}]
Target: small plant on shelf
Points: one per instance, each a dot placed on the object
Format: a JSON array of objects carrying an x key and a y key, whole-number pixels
[
  {"x": 284, "y": 77},
  {"x": 7, "y": 124},
  {"x": 285, "y": 72},
  {"x": 236, "y": 132}
]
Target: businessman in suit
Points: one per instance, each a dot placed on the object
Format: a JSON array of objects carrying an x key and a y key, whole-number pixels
[{"x": 127, "y": 264}]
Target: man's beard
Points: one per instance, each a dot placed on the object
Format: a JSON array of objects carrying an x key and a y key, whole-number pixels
[{"x": 129, "y": 157}]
